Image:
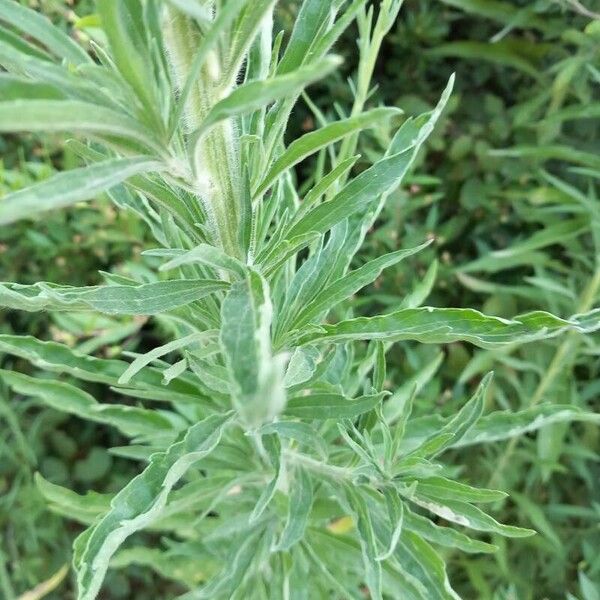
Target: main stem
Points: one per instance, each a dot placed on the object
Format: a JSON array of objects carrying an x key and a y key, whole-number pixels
[{"x": 214, "y": 161}]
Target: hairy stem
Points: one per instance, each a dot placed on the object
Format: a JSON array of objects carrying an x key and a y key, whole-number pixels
[{"x": 214, "y": 164}]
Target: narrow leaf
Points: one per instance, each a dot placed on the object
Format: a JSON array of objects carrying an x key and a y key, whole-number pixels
[
  {"x": 311, "y": 142},
  {"x": 331, "y": 406},
  {"x": 142, "y": 500},
  {"x": 144, "y": 299},
  {"x": 70, "y": 187}
]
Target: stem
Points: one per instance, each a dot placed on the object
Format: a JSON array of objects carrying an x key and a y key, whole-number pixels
[
  {"x": 563, "y": 357},
  {"x": 317, "y": 466},
  {"x": 214, "y": 161}
]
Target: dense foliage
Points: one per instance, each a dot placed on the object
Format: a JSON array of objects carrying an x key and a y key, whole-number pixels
[{"x": 295, "y": 450}]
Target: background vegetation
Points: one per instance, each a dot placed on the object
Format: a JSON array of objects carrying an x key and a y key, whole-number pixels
[{"x": 515, "y": 164}]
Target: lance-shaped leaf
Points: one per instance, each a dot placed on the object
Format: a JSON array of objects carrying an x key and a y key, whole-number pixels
[
  {"x": 71, "y": 116},
  {"x": 467, "y": 515},
  {"x": 311, "y": 17},
  {"x": 144, "y": 299},
  {"x": 459, "y": 425},
  {"x": 39, "y": 28},
  {"x": 122, "y": 23},
  {"x": 256, "y": 94},
  {"x": 299, "y": 507},
  {"x": 256, "y": 376},
  {"x": 312, "y": 142},
  {"x": 130, "y": 420},
  {"x": 443, "y": 536},
  {"x": 211, "y": 256},
  {"x": 445, "y": 325},
  {"x": 66, "y": 189},
  {"x": 16, "y": 88},
  {"x": 145, "y": 359},
  {"x": 82, "y": 508},
  {"x": 351, "y": 283},
  {"x": 383, "y": 177},
  {"x": 368, "y": 542},
  {"x": 331, "y": 406},
  {"x": 498, "y": 426},
  {"x": 272, "y": 445},
  {"x": 504, "y": 425},
  {"x": 141, "y": 502},
  {"x": 58, "y": 358}
]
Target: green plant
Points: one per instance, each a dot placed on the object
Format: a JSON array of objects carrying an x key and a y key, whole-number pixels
[{"x": 278, "y": 464}]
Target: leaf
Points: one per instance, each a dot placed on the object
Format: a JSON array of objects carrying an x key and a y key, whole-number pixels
[
  {"x": 464, "y": 514},
  {"x": 331, "y": 406},
  {"x": 144, "y": 299},
  {"x": 311, "y": 142},
  {"x": 38, "y": 27},
  {"x": 445, "y": 325},
  {"x": 447, "y": 489},
  {"x": 372, "y": 566},
  {"x": 518, "y": 253},
  {"x": 207, "y": 255},
  {"x": 443, "y": 536},
  {"x": 395, "y": 509},
  {"x": 380, "y": 179},
  {"x": 351, "y": 283},
  {"x": 16, "y": 88},
  {"x": 311, "y": 17},
  {"x": 253, "y": 95},
  {"x": 466, "y": 417},
  {"x": 70, "y": 187},
  {"x": 256, "y": 376},
  {"x": 504, "y": 425},
  {"x": 85, "y": 509},
  {"x": 59, "y": 358},
  {"x": 551, "y": 152},
  {"x": 421, "y": 290},
  {"x": 383, "y": 177},
  {"x": 123, "y": 29},
  {"x": 302, "y": 433},
  {"x": 505, "y": 53},
  {"x": 132, "y": 421},
  {"x": 145, "y": 359},
  {"x": 272, "y": 446},
  {"x": 142, "y": 500},
  {"x": 299, "y": 508},
  {"x": 71, "y": 116},
  {"x": 244, "y": 32}
]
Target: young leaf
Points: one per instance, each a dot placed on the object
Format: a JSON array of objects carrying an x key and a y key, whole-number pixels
[
  {"x": 145, "y": 359},
  {"x": 256, "y": 94},
  {"x": 272, "y": 445},
  {"x": 257, "y": 376},
  {"x": 72, "y": 116},
  {"x": 300, "y": 504},
  {"x": 445, "y": 325},
  {"x": 70, "y": 187},
  {"x": 142, "y": 500},
  {"x": 38, "y": 27},
  {"x": 330, "y": 406},
  {"x": 351, "y": 283},
  {"x": 130, "y": 420},
  {"x": 144, "y": 299},
  {"x": 504, "y": 425},
  {"x": 311, "y": 142},
  {"x": 210, "y": 256},
  {"x": 467, "y": 515}
]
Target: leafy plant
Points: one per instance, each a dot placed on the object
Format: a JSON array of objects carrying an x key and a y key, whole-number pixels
[{"x": 278, "y": 464}]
